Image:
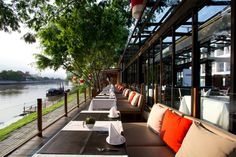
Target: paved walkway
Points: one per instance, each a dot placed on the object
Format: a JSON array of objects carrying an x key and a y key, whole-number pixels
[{"x": 20, "y": 136}]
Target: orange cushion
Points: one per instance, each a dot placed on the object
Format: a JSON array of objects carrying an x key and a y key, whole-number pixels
[
  {"x": 174, "y": 129},
  {"x": 132, "y": 96},
  {"x": 119, "y": 88}
]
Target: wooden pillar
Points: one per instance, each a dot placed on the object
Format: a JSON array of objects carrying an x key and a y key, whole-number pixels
[
  {"x": 139, "y": 70},
  {"x": 155, "y": 95},
  {"x": 85, "y": 94},
  {"x": 148, "y": 76},
  {"x": 153, "y": 73},
  {"x": 173, "y": 72},
  {"x": 195, "y": 66},
  {"x": 142, "y": 89},
  {"x": 118, "y": 77},
  {"x": 65, "y": 103},
  {"x": 78, "y": 98},
  {"x": 89, "y": 92},
  {"x": 40, "y": 117},
  {"x": 161, "y": 72}
]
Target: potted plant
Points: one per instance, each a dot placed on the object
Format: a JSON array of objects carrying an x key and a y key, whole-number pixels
[{"x": 89, "y": 122}]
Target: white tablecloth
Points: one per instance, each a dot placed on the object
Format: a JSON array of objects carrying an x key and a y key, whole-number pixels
[
  {"x": 98, "y": 126},
  {"x": 212, "y": 110},
  {"x": 106, "y": 90},
  {"x": 97, "y": 104}
]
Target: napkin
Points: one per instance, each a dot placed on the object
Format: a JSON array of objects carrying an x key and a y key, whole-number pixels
[
  {"x": 114, "y": 136},
  {"x": 112, "y": 95},
  {"x": 112, "y": 89},
  {"x": 207, "y": 93},
  {"x": 113, "y": 112}
]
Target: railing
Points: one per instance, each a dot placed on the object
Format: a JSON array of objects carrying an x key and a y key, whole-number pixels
[
  {"x": 81, "y": 97},
  {"x": 37, "y": 122}
]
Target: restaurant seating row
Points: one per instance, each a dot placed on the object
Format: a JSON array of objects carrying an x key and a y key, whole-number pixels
[
  {"x": 128, "y": 101},
  {"x": 169, "y": 133}
]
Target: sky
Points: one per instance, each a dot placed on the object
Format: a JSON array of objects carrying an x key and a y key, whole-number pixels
[{"x": 15, "y": 54}]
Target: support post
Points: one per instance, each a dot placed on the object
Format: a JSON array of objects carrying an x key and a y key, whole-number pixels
[
  {"x": 155, "y": 93},
  {"x": 85, "y": 94},
  {"x": 78, "y": 98},
  {"x": 161, "y": 72},
  {"x": 40, "y": 117},
  {"x": 195, "y": 66},
  {"x": 173, "y": 82},
  {"x": 143, "y": 92},
  {"x": 153, "y": 74},
  {"x": 89, "y": 92},
  {"x": 142, "y": 89},
  {"x": 65, "y": 103}
]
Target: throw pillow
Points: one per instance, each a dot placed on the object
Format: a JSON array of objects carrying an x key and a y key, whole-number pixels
[
  {"x": 127, "y": 93},
  {"x": 155, "y": 118},
  {"x": 174, "y": 129},
  {"x": 199, "y": 142},
  {"x": 131, "y": 95},
  {"x": 134, "y": 102}
]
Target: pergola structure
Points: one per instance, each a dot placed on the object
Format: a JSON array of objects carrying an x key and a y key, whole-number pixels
[{"x": 168, "y": 39}]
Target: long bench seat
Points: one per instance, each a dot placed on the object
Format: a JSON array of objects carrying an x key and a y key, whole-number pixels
[
  {"x": 129, "y": 102},
  {"x": 201, "y": 139}
]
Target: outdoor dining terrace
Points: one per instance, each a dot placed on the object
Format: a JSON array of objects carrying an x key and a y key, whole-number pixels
[
  {"x": 172, "y": 94},
  {"x": 101, "y": 128}
]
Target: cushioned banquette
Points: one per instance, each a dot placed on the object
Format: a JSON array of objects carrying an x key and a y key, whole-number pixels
[
  {"x": 129, "y": 102},
  {"x": 169, "y": 133}
]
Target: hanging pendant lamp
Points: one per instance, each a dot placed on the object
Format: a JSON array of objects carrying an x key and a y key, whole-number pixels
[{"x": 137, "y": 8}]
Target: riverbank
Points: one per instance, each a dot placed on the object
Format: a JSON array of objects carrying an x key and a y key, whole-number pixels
[
  {"x": 30, "y": 82},
  {"x": 4, "y": 132},
  {"x": 15, "y": 98},
  {"x": 23, "y": 134}
]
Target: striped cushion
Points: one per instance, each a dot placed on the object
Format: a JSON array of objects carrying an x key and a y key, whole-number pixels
[
  {"x": 123, "y": 93},
  {"x": 140, "y": 101},
  {"x": 131, "y": 95},
  {"x": 127, "y": 92},
  {"x": 134, "y": 102}
]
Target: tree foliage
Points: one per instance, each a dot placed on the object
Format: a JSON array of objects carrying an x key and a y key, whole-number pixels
[
  {"x": 82, "y": 36},
  {"x": 86, "y": 38}
]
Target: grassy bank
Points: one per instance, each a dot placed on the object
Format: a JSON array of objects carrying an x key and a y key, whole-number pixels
[{"x": 4, "y": 133}]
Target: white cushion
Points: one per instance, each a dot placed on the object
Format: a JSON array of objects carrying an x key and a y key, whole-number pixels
[
  {"x": 156, "y": 117},
  {"x": 130, "y": 93},
  {"x": 134, "y": 102},
  {"x": 123, "y": 93},
  {"x": 200, "y": 142},
  {"x": 127, "y": 93}
]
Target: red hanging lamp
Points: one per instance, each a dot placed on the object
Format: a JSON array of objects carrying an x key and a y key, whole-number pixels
[
  {"x": 137, "y": 7},
  {"x": 81, "y": 81}
]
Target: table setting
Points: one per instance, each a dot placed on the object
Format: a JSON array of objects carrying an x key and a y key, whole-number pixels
[{"x": 104, "y": 138}]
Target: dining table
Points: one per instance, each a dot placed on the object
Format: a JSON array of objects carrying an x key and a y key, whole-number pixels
[{"x": 77, "y": 140}]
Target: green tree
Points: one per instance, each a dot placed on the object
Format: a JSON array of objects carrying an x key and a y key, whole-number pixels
[
  {"x": 86, "y": 38},
  {"x": 82, "y": 36},
  {"x": 11, "y": 75}
]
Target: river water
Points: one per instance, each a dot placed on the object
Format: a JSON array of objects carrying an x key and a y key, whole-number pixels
[{"x": 13, "y": 98}]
